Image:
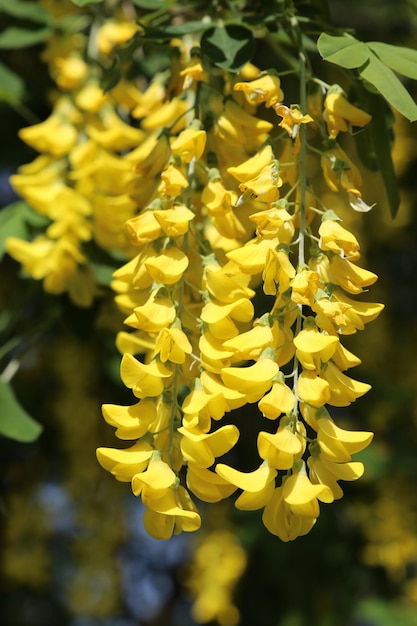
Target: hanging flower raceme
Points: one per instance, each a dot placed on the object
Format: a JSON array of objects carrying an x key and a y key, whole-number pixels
[{"x": 237, "y": 282}]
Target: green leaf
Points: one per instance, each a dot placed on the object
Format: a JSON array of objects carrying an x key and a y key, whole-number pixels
[
  {"x": 15, "y": 37},
  {"x": 15, "y": 422},
  {"x": 26, "y": 10},
  {"x": 172, "y": 30},
  {"x": 15, "y": 220},
  {"x": 401, "y": 60},
  {"x": 12, "y": 86},
  {"x": 152, "y": 5},
  {"x": 345, "y": 50},
  {"x": 377, "y": 135},
  {"x": 83, "y": 3},
  {"x": 387, "y": 83},
  {"x": 230, "y": 46}
]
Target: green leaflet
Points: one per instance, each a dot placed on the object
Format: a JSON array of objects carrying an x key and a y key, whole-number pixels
[
  {"x": 399, "y": 59},
  {"x": 14, "y": 37},
  {"x": 386, "y": 82},
  {"x": 375, "y": 62},
  {"x": 26, "y": 10},
  {"x": 15, "y": 423},
  {"x": 83, "y": 3},
  {"x": 12, "y": 86},
  {"x": 345, "y": 51},
  {"x": 230, "y": 46}
]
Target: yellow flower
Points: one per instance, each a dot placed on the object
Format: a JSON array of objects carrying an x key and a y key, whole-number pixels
[
  {"x": 280, "y": 449},
  {"x": 252, "y": 166},
  {"x": 201, "y": 449},
  {"x": 338, "y": 111},
  {"x": 132, "y": 422},
  {"x": 172, "y": 345},
  {"x": 175, "y": 510},
  {"x": 291, "y": 119},
  {"x": 325, "y": 472},
  {"x": 154, "y": 482},
  {"x": 224, "y": 286},
  {"x": 338, "y": 444},
  {"x": 302, "y": 496},
  {"x": 170, "y": 114},
  {"x": 251, "y": 258},
  {"x": 173, "y": 181},
  {"x": 193, "y": 71},
  {"x": 168, "y": 266},
  {"x": 337, "y": 239},
  {"x": 280, "y": 520},
  {"x": 278, "y": 273},
  {"x": 274, "y": 222},
  {"x": 151, "y": 156},
  {"x": 143, "y": 228},
  {"x": 157, "y": 313},
  {"x": 55, "y": 135},
  {"x": 206, "y": 485},
  {"x": 264, "y": 186},
  {"x": 313, "y": 389},
  {"x": 189, "y": 144},
  {"x": 213, "y": 355},
  {"x": 343, "y": 390},
  {"x": 240, "y": 310},
  {"x": 124, "y": 464},
  {"x": 266, "y": 89},
  {"x": 112, "y": 133},
  {"x": 304, "y": 287},
  {"x": 249, "y": 345},
  {"x": 279, "y": 400},
  {"x": 233, "y": 398},
  {"x": 114, "y": 33},
  {"x": 237, "y": 124},
  {"x": 257, "y": 486},
  {"x": 176, "y": 221},
  {"x": 253, "y": 380},
  {"x": 145, "y": 103},
  {"x": 313, "y": 347},
  {"x": 144, "y": 379},
  {"x": 349, "y": 276},
  {"x": 70, "y": 72}
]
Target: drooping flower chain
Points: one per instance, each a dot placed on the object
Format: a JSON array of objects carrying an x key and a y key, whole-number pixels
[
  {"x": 208, "y": 240},
  {"x": 218, "y": 209}
]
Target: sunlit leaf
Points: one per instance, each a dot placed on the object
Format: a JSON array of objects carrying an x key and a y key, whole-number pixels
[
  {"x": 387, "y": 83},
  {"x": 230, "y": 46},
  {"x": 401, "y": 60},
  {"x": 345, "y": 50},
  {"x": 15, "y": 422}
]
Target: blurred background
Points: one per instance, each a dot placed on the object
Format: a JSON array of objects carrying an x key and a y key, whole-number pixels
[{"x": 72, "y": 548}]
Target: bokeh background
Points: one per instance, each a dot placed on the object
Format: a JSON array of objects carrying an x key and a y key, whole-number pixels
[{"x": 72, "y": 548}]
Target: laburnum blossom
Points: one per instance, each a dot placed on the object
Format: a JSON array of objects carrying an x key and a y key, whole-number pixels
[
  {"x": 338, "y": 111},
  {"x": 236, "y": 281},
  {"x": 266, "y": 88}
]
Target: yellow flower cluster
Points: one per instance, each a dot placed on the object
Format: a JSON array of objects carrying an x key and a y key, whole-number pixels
[{"x": 238, "y": 283}]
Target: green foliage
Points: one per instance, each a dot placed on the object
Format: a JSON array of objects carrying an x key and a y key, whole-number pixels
[
  {"x": 12, "y": 86},
  {"x": 230, "y": 46},
  {"x": 15, "y": 422},
  {"x": 15, "y": 37},
  {"x": 33, "y": 11},
  {"x": 16, "y": 220},
  {"x": 375, "y": 63}
]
